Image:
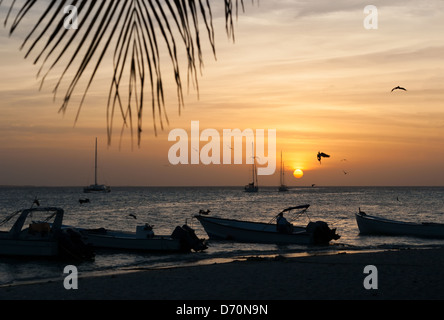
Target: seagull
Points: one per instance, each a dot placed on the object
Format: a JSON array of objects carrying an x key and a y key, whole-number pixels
[
  {"x": 36, "y": 202},
  {"x": 322, "y": 155},
  {"x": 345, "y": 172},
  {"x": 399, "y": 88},
  {"x": 132, "y": 215}
]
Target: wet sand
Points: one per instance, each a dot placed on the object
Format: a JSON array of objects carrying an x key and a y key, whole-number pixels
[{"x": 406, "y": 274}]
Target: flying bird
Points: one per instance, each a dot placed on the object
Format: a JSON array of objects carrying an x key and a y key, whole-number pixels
[
  {"x": 322, "y": 155},
  {"x": 132, "y": 215},
  {"x": 399, "y": 88}
]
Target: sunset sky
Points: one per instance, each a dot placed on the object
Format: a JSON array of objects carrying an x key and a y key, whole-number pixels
[{"x": 308, "y": 69}]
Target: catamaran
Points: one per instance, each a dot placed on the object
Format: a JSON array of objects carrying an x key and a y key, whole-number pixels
[{"x": 96, "y": 187}]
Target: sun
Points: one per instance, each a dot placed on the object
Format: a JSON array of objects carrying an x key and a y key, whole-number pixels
[{"x": 298, "y": 173}]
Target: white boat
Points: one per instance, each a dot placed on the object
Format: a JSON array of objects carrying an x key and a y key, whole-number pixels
[
  {"x": 42, "y": 238},
  {"x": 183, "y": 239},
  {"x": 258, "y": 232},
  {"x": 282, "y": 187},
  {"x": 100, "y": 188},
  {"x": 371, "y": 225}
]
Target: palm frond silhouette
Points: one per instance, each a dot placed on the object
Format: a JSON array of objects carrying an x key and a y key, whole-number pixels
[{"x": 134, "y": 33}]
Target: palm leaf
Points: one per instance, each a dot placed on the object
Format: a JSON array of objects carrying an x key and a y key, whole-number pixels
[{"x": 135, "y": 32}]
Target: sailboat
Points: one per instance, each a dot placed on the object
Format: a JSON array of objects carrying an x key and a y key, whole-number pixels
[
  {"x": 253, "y": 186},
  {"x": 96, "y": 187},
  {"x": 282, "y": 187}
]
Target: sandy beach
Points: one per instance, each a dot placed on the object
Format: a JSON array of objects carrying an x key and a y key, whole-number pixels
[{"x": 407, "y": 274}]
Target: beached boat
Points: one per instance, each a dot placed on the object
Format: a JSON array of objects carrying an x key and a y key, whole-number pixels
[
  {"x": 258, "y": 232},
  {"x": 371, "y": 225},
  {"x": 96, "y": 188},
  {"x": 183, "y": 239},
  {"x": 42, "y": 238}
]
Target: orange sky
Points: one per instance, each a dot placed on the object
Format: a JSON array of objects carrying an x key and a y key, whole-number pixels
[{"x": 309, "y": 70}]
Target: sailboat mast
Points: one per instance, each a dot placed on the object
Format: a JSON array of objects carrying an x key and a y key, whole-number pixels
[
  {"x": 254, "y": 162},
  {"x": 255, "y": 181},
  {"x": 95, "y": 165}
]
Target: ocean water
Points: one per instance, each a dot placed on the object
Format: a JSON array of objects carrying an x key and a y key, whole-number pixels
[{"x": 168, "y": 207}]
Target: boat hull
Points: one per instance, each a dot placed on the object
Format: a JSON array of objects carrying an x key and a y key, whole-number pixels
[
  {"x": 183, "y": 239},
  {"x": 129, "y": 241},
  {"x": 97, "y": 189},
  {"x": 27, "y": 248},
  {"x": 252, "y": 232},
  {"x": 369, "y": 225},
  {"x": 43, "y": 239}
]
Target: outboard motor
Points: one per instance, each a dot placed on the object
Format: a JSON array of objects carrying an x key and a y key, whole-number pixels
[
  {"x": 322, "y": 234},
  {"x": 72, "y": 246},
  {"x": 189, "y": 240}
]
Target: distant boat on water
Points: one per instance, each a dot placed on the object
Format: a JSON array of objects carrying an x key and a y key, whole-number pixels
[
  {"x": 282, "y": 187},
  {"x": 96, "y": 187},
  {"x": 253, "y": 186}
]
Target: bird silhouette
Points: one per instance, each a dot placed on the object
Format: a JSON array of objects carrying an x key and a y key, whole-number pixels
[
  {"x": 36, "y": 202},
  {"x": 322, "y": 155},
  {"x": 82, "y": 201},
  {"x": 399, "y": 88},
  {"x": 132, "y": 215}
]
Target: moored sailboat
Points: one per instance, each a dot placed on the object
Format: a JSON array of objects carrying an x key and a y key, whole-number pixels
[
  {"x": 96, "y": 187},
  {"x": 282, "y": 186},
  {"x": 253, "y": 186}
]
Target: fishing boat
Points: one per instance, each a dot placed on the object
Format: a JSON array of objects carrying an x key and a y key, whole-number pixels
[
  {"x": 42, "y": 238},
  {"x": 259, "y": 232},
  {"x": 96, "y": 188},
  {"x": 254, "y": 185},
  {"x": 371, "y": 225},
  {"x": 282, "y": 187},
  {"x": 183, "y": 239}
]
